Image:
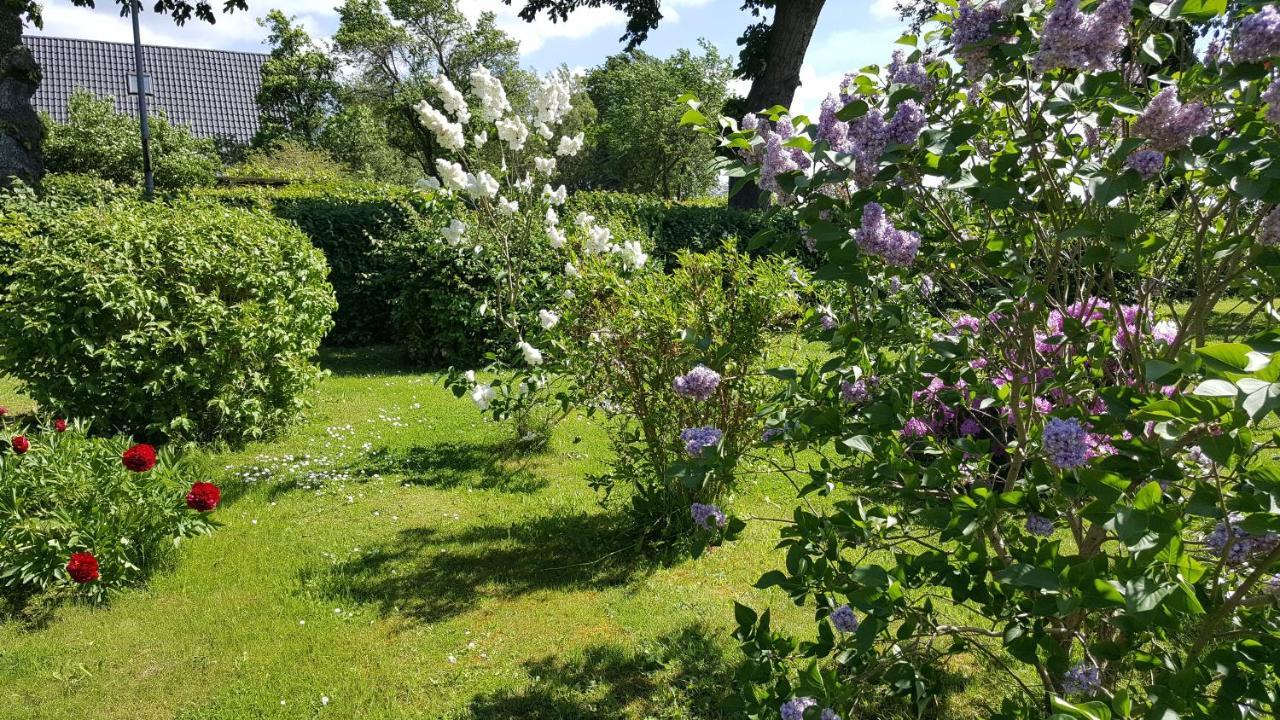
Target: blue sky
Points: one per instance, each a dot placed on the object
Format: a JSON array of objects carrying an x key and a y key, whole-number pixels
[{"x": 850, "y": 34}]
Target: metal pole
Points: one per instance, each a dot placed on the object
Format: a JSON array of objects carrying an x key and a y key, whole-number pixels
[{"x": 140, "y": 70}]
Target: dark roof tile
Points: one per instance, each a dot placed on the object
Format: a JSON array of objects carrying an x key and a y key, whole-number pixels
[{"x": 211, "y": 91}]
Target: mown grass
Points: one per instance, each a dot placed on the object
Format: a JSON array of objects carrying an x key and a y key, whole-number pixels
[{"x": 392, "y": 555}]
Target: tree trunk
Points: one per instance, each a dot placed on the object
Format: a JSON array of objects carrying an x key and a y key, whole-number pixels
[
  {"x": 792, "y": 30},
  {"x": 21, "y": 133}
]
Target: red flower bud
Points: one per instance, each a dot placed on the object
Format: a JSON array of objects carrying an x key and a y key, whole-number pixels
[
  {"x": 60, "y": 425},
  {"x": 139, "y": 458},
  {"x": 204, "y": 497},
  {"x": 20, "y": 444},
  {"x": 83, "y": 567}
]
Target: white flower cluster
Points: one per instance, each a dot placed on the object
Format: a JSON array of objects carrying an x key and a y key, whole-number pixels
[
  {"x": 450, "y": 134},
  {"x": 513, "y": 132},
  {"x": 455, "y": 233},
  {"x": 454, "y": 103},
  {"x": 545, "y": 165},
  {"x": 493, "y": 98},
  {"x": 554, "y": 100},
  {"x": 555, "y": 197},
  {"x": 570, "y": 146}
]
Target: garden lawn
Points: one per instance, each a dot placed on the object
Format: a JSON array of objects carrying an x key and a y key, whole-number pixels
[{"x": 389, "y": 559}]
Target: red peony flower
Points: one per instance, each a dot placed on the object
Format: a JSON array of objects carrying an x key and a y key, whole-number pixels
[
  {"x": 204, "y": 497},
  {"x": 3, "y": 411},
  {"x": 60, "y": 425},
  {"x": 83, "y": 567},
  {"x": 20, "y": 444},
  {"x": 139, "y": 458}
]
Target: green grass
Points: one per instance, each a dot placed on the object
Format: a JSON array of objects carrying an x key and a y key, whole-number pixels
[{"x": 390, "y": 554}]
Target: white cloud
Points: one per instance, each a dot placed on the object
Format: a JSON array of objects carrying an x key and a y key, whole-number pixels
[
  {"x": 232, "y": 31},
  {"x": 582, "y": 23},
  {"x": 884, "y": 9}
]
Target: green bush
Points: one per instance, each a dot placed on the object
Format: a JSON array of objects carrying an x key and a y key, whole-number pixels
[
  {"x": 288, "y": 160},
  {"x": 70, "y": 494},
  {"x": 189, "y": 320},
  {"x": 441, "y": 315},
  {"x": 97, "y": 140},
  {"x": 352, "y": 224},
  {"x": 629, "y": 337},
  {"x": 695, "y": 225}
]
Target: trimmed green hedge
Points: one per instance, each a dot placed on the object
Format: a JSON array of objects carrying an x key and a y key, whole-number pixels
[
  {"x": 377, "y": 240},
  {"x": 351, "y": 223},
  {"x": 696, "y": 225}
]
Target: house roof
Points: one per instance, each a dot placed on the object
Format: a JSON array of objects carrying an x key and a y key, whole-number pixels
[{"x": 211, "y": 91}]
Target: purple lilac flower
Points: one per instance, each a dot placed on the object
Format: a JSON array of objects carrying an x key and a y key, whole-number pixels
[
  {"x": 829, "y": 714},
  {"x": 794, "y": 708},
  {"x": 926, "y": 286},
  {"x": 914, "y": 428},
  {"x": 1213, "y": 52},
  {"x": 895, "y": 284},
  {"x": 697, "y": 440},
  {"x": 771, "y": 434},
  {"x": 1066, "y": 443},
  {"x": 970, "y": 428},
  {"x": 867, "y": 136},
  {"x": 908, "y": 120},
  {"x": 1258, "y": 37},
  {"x": 1072, "y": 39},
  {"x": 853, "y": 392},
  {"x": 777, "y": 161},
  {"x": 1272, "y": 98},
  {"x": 707, "y": 516},
  {"x": 1147, "y": 162},
  {"x": 902, "y": 72},
  {"x": 829, "y": 322},
  {"x": 971, "y": 27},
  {"x": 1039, "y": 525},
  {"x": 848, "y": 86},
  {"x": 967, "y": 322},
  {"x": 879, "y": 237},
  {"x": 1083, "y": 679},
  {"x": 1243, "y": 544},
  {"x": 1165, "y": 331},
  {"x": 699, "y": 383},
  {"x": 843, "y": 619},
  {"x": 1269, "y": 230},
  {"x": 1169, "y": 124},
  {"x": 831, "y": 129}
]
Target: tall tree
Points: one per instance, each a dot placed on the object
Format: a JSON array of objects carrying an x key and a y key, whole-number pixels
[
  {"x": 299, "y": 84},
  {"x": 772, "y": 51},
  {"x": 637, "y": 143},
  {"x": 21, "y": 133},
  {"x": 398, "y": 46}
]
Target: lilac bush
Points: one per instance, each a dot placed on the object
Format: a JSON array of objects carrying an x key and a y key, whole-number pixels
[{"x": 1066, "y": 469}]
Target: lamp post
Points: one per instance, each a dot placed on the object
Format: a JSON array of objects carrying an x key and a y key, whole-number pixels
[{"x": 140, "y": 74}]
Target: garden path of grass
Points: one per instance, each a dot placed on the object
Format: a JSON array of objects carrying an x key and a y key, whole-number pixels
[{"x": 389, "y": 556}]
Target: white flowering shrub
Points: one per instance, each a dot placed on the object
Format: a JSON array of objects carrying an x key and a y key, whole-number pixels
[
  {"x": 510, "y": 226},
  {"x": 1044, "y": 466}
]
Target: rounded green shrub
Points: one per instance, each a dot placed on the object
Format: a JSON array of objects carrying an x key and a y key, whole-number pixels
[{"x": 187, "y": 321}]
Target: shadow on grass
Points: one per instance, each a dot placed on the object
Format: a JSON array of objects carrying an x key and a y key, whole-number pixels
[
  {"x": 680, "y": 675},
  {"x": 429, "y": 574},
  {"x": 448, "y": 465},
  {"x": 363, "y": 361}
]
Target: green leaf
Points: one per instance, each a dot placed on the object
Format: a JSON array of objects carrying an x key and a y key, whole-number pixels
[
  {"x": 861, "y": 443},
  {"x": 1235, "y": 355},
  {"x": 1216, "y": 388}
]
